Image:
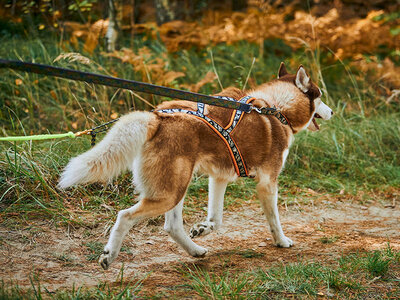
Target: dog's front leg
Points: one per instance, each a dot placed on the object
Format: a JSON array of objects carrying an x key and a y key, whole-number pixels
[
  {"x": 174, "y": 226},
  {"x": 216, "y": 191},
  {"x": 268, "y": 194}
]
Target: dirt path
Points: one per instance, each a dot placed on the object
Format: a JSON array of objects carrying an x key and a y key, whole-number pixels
[{"x": 61, "y": 258}]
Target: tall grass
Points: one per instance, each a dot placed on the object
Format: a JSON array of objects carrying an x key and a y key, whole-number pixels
[
  {"x": 349, "y": 153},
  {"x": 357, "y": 149}
]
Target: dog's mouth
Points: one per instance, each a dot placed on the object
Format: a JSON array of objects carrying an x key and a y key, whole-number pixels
[{"x": 314, "y": 122}]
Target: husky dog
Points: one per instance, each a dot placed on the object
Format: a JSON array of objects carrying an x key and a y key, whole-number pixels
[{"x": 164, "y": 149}]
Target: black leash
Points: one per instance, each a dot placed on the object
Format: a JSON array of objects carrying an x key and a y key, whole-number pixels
[
  {"x": 226, "y": 102},
  {"x": 138, "y": 86}
]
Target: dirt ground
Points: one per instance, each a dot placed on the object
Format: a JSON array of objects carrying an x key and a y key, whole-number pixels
[{"x": 58, "y": 256}]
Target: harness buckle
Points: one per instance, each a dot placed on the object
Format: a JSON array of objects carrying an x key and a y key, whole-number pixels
[
  {"x": 256, "y": 109},
  {"x": 265, "y": 110}
]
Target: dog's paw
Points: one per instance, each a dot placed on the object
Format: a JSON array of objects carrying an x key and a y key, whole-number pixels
[
  {"x": 284, "y": 242},
  {"x": 106, "y": 259},
  {"x": 198, "y": 251},
  {"x": 202, "y": 228}
]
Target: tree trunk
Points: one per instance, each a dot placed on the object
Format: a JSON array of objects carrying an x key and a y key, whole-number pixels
[
  {"x": 167, "y": 10},
  {"x": 239, "y": 5},
  {"x": 113, "y": 27}
]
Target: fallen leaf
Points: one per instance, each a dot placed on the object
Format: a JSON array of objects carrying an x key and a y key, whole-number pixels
[
  {"x": 171, "y": 76},
  {"x": 53, "y": 94},
  {"x": 18, "y": 81},
  {"x": 208, "y": 78}
]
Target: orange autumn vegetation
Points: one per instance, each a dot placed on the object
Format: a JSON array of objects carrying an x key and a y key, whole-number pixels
[
  {"x": 150, "y": 68},
  {"x": 343, "y": 37}
]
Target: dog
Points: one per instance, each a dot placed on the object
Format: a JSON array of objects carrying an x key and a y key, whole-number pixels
[{"x": 163, "y": 150}]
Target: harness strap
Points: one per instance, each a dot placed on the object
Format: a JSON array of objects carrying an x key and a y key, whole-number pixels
[
  {"x": 223, "y": 133},
  {"x": 272, "y": 111},
  {"x": 237, "y": 114}
]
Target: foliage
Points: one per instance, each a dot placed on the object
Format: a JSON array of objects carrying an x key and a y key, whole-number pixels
[
  {"x": 48, "y": 6},
  {"x": 82, "y": 5}
]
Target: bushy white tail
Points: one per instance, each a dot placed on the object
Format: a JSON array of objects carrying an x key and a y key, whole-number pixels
[{"x": 113, "y": 155}]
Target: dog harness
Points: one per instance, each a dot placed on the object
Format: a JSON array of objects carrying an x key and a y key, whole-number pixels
[{"x": 223, "y": 132}]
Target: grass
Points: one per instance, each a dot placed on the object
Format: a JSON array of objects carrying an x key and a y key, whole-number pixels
[
  {"x": 356, "y": 150},
  {"x": 329, "y": 239},
  {"x": 119, "y": 291},
  {"x": 377, "y": 265},
  {"x": 349, "y": 276},
  {"x": 95, "y": 249},
  {"x": 355, "y": 275}
]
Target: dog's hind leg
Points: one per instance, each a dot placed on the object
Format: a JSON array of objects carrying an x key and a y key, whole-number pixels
[
  {"x": 216, "y": 191},
  {"x": 268, "y": 194},
  {"x": 163, "y": 184},
  {"x": 174, "y": 226},
  {"x": 145, "y": 208}
]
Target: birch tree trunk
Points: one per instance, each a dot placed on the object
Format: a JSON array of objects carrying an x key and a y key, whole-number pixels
[
  {"x": 166, "y": 10},
  {"x": 113, "y": 27}
]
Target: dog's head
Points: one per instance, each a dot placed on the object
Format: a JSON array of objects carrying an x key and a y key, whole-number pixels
[{"x": 307, "y": 101}]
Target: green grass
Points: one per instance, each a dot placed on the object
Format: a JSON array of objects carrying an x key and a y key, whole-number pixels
[
  {"x": 377, "y": 265},
  {"x": 350, "y": 153},
  {"x": 350, "y": 276},
  {"x": 95, "y": 249},
  {"x": 356, "y": 150},
  {"x": 329, "y": 239}
]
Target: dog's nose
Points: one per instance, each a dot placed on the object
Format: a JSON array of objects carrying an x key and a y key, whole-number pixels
[{"x": 331, "y": 112}]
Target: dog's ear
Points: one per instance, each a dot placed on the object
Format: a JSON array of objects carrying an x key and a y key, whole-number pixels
[
  {"x": 302, "y": 81},
  {"x": 282, "y": 70}
]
